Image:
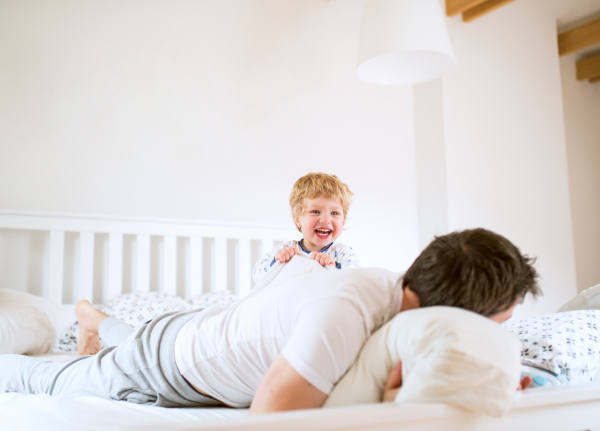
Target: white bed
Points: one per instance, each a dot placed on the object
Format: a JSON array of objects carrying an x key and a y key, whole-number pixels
[
  {"x": 563, "y": 408},
  {"x": 207, "y": 256}
]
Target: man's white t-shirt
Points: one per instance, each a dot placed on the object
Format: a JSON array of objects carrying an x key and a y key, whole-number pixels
[{"x": 317, "y": 318}]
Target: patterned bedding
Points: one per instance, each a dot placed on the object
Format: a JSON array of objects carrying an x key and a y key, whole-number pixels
[
  {"x": 563, "y": 344},
  {"x": 137, "y": 308}
]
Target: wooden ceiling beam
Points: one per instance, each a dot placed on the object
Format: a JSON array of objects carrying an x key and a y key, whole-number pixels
[
  {"x": 454, "y": 7},
  {"x": 483, "y": 8},
  {"x": 588, "y": 68},
  {"x": 594, "y": 80},
  {"x": 579, "y": 37}
]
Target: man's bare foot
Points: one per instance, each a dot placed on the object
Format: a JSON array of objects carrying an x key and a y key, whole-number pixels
[{"x": 89, "y": 320}]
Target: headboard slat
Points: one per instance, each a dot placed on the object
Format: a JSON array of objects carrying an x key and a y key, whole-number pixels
[
  {"x": 142, "y": 263},
  {"x": 56, "y": 265},
  {"x": 115, "y": 265},
  {"x": 170, "y": 265},
  {"x": 195, "y": 265},
  {"x": 266, "y": 246},
  {"x": 86, "y": 265},
  {"x": 220, "y": 280},
  {"x": 244, "y": 268}
]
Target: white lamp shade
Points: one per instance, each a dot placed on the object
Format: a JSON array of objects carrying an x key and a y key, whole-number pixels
[{"x": 403, "y": 42}]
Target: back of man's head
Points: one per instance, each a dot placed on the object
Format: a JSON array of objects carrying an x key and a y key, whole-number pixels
[{"x": 474, "y": 269}]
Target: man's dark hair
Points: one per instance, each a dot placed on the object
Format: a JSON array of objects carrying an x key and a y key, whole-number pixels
[{"x": 474, "y": 269}]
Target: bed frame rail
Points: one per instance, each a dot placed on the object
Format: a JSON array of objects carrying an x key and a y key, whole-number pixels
[
  {"x": 562, "y": 408},
  {"x": 168, "y": 231}
]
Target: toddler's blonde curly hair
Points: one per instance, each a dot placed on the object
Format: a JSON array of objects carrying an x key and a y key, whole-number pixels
[{"x": 319, "y": 185}]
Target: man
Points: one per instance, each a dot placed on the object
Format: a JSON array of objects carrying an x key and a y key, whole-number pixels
[{"x": 286, "y": 344}]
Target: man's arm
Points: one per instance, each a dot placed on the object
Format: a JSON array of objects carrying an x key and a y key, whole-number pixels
[
  {"x": 394, "y": 383},
  {"x": 283, "y": 388},
  {"x": 347, "y": 258}
]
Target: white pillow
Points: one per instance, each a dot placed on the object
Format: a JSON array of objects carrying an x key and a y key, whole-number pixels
[
  {"x": 137, "y": 308},
  {"x": 566, "y": 344},
  {"x": 221, "y": 298},
  {"x": 449, "y": 355},
  {"x": 589, "y": 299},
  {"x": 24, "y": 328}
]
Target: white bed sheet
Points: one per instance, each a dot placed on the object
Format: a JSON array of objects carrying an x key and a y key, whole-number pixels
[
  {"x": 44, "y": 412},
  {"x": 20, "y": 412},
  {"x": 572, "y": 407}
]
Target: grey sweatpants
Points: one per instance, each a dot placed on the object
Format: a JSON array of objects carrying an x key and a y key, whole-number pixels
[{"x": 139, "y": 367}]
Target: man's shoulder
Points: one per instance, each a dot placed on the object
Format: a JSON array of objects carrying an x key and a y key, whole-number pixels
[
  {"x": 363, "y": 282},
  {"x": 372, "y": 272}
]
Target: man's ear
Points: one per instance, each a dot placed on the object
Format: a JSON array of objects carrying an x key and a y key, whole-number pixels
[{"x": 410, "y": 300}]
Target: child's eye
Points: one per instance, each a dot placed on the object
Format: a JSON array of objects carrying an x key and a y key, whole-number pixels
[
  {"x": 335, "y": 213},
  {"x": 315, "y": 211}
]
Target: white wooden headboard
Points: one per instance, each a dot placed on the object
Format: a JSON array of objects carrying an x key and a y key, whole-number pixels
[{"x": 228, "y": 253}]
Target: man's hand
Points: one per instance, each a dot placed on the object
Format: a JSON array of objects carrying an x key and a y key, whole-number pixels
[
  {"x": 393, "y": 384},
  {"x": 525, "y": 383},
  {"x": 285, "y": 254},
  {"x": 283, "y": 388},
  {"x": 323, "y": 259}
]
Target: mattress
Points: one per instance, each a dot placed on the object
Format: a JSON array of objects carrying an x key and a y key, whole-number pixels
[{"x": 44, "y": 412}]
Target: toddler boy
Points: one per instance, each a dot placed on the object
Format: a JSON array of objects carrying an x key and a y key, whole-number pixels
[{"x": 320, "y": 205}]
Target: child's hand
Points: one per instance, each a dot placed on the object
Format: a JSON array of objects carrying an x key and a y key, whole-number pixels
[
  {"x": 285, "y": 254},
  {"x": 323, "y": 259}
]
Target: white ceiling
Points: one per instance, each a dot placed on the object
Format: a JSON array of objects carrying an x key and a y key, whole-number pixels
[{"x": 568, "y": 13}]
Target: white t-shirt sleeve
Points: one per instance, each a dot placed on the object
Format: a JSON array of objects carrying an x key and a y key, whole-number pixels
[{"x": 326, "y": 341}]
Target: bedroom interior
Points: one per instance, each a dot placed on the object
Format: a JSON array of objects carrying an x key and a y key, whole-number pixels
[{"x": 138, "y": 138}]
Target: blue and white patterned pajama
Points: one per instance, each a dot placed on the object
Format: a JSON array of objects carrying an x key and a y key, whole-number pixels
[{"x": 345, "y": 257}]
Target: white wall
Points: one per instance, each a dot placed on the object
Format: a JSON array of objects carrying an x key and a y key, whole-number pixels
[
  {"x": 505, "y": 142},
  {"x": 582, "y": 124},
  {"x": 212, "y": 109},
  {"x": 201, "y": 109},
  {"x": 432, "y": 178}
]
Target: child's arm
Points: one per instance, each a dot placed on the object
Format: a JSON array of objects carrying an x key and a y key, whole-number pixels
[
  {"x": 265, "y": 264},
  {"x": 346, "y": 258}
]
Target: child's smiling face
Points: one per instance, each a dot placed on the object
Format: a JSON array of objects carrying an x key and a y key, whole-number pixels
[{"x": 321, "y": 222}]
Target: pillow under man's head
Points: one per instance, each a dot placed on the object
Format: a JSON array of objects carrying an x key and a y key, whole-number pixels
[{"x": 449, "y": 355}]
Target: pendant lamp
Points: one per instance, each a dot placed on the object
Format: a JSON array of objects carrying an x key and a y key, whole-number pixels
[{"x": 403, "y": 42}]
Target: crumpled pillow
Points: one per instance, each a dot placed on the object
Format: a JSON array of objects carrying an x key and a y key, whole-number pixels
[
  {"x": 221, "y": 298},
  {"x": 589, "y": 299},
  {"x": 566, "y": 344},
  {"x": 137, "y": 308},
  {"x": 449, "y": 355},
  {"x": 24, "y": 328}
]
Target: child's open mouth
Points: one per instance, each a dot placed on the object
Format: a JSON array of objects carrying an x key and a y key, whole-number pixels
[{"x": 323, "y": 233}]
